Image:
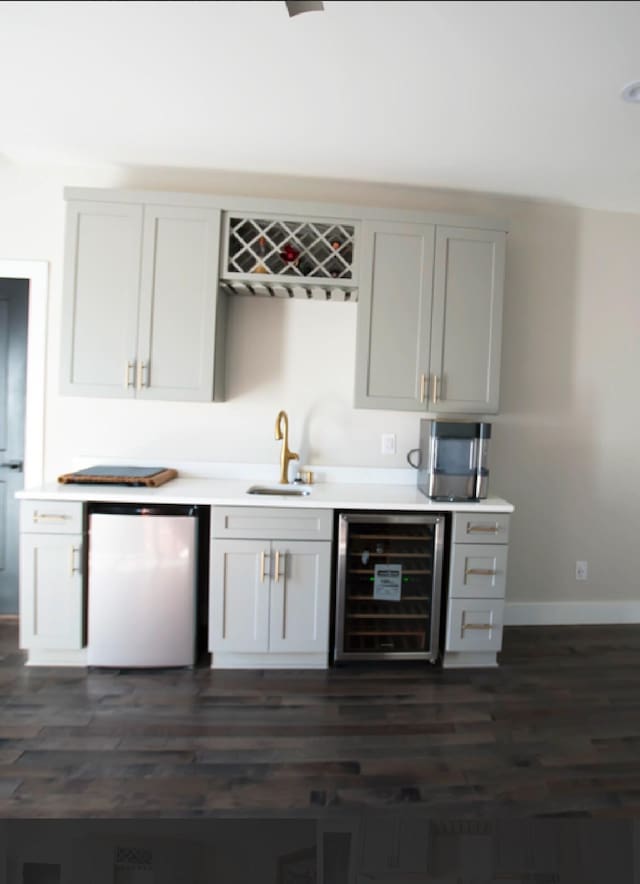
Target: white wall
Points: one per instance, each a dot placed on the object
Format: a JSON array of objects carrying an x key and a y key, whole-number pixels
[{"x": 565, "y": 444}]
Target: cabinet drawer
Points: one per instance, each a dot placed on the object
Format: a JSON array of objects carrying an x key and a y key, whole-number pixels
[
  {"x": 51, "y": 516},
  {"x": 478, "y": 571},
  {"x": 271, "y": 523},
  {"x": 475, "y": 624},
  {"x": 481, "y": 528}
]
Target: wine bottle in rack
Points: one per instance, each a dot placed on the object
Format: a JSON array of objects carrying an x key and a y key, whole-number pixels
[{"x": 261, "y": 251}]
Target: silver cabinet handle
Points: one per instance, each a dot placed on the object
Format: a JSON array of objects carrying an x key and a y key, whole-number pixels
[
  {"x": 143, "y": 374},
  {"x": 263, "y": 557},
  {"x": 49, "y": 517},
  {"x": 484, "y": 626},
  {"x": 130, "y": 374},
  {"x": 75, "y": 569},
  {"x": 12, "y": 465},
  {"x": 434, "y": 389},
  {"x": 423, "y": 387},
  {"x": 277, "y": 574},
  {"x": 482, "y": 572}
]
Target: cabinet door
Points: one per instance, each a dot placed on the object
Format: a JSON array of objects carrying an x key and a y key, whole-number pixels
[
  {"x": 467, "y": 320},
  {"x": 394, "y": 316},
  {"x": 239, "y": 596},
  {"x": 178, "y": 298},
  {"x": 101, "y": 282},
  {"x": 300, "y": 592},
  {"x": 51, "y": 591}
]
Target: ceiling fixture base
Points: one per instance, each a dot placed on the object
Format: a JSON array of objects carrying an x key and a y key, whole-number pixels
[{"x": 295, "y": 7}]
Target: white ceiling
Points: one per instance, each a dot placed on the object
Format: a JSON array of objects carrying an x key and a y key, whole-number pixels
[{"x": 502, "y": 97}]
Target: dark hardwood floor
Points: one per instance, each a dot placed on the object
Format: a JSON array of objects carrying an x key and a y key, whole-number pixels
[{"x": 555, "y": 731}]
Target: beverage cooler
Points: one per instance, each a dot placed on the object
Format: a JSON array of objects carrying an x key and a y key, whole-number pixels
[{"x": 389, "y": 586}]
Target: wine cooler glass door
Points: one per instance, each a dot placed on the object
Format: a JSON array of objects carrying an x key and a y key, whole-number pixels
[{"x": 389, "y": 586}]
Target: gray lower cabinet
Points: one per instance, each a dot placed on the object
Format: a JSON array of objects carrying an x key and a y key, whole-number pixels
[
  {"x": 141, "y": 311},
  {"x": 476, "y": 590},
  {"x": 269, "y": 593},
  {"x": 51, "y": 576},
  {"x": 430, "y": 318}
]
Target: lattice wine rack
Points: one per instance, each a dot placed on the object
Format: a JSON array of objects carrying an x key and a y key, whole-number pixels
[{"x": 290, "y": 258}]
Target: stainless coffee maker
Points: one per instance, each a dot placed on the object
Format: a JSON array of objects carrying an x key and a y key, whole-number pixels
[{"x": 452, "y": 459}]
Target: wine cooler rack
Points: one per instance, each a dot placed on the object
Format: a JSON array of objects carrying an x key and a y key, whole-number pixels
[
  {"x": 389, "y": 586},
  {"x": 290, "y": 257}
]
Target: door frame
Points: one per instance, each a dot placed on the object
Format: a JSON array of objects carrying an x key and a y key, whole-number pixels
[{"x": 37, "y": 273}]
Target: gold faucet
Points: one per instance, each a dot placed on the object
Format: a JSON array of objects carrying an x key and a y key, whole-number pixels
[{"x": 285, "y": 454}]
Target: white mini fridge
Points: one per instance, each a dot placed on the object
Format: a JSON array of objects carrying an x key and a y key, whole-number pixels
[{"x": 142, "y": 585}]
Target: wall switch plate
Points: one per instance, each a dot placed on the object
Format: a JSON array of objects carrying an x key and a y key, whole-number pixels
[
  {"x": 388, "y": 443},
  {"x": 582, "y": 570}
]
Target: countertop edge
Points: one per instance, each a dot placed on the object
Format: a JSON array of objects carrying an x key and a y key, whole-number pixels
[{"x": 224, "y": 492}]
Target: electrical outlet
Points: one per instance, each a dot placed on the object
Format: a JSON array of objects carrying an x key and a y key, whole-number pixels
[
  {"x": 582, "y": 570},
  {"x": 388, "y": 443}
]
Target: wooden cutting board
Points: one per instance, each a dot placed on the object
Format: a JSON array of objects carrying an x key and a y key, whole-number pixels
[{"x": 149, "y": 477}]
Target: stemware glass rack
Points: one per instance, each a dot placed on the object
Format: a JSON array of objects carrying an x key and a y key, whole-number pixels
[{"x": 289, "y": 257}]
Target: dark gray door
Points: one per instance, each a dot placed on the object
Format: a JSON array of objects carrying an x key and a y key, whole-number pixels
[{"x": 14, "y": 299}]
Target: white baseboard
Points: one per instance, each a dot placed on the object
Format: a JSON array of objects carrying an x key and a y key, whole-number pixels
[{"x": 570, "y": 613}]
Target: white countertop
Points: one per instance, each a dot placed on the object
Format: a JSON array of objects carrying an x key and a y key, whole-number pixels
[{"x": 233, "y": 492}]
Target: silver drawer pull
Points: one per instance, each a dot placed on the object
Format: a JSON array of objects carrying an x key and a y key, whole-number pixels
[
  {"x": 476, "y": 626},
  {"x": 482, "y": 529},
  {"x": 482, "y": 572},
  {"x": 49, "y": 517}
]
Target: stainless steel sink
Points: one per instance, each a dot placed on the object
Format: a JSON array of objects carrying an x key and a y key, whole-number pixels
[{"x": 279, "y": 490}]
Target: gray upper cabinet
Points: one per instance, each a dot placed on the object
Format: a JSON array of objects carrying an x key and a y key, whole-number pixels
[
  {"x": 430, "y": 318},
  {"x": 140, "y": 301},
  {"x": 394, "y": 315},
  {"x": 145, "y": 290},
  {"x": 178, "y": 303},
  {"x": 101, "y": 278},
  {"x": 466, "y": 334}
]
